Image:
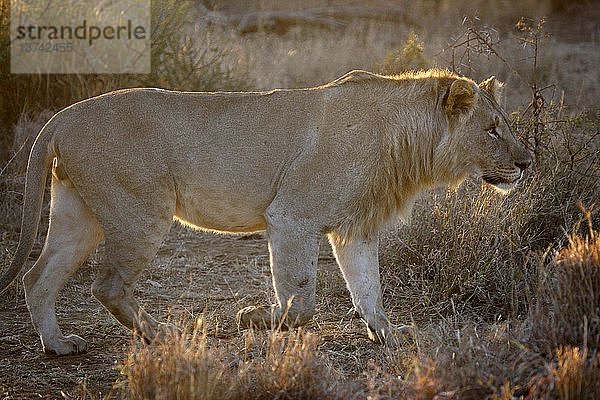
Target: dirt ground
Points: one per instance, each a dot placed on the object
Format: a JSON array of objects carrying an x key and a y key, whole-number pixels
[{"x": 194, "y": 274}]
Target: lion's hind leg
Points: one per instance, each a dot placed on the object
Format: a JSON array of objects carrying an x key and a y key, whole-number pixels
[
  {"x": 73, "y": 234},
  {"x": 127, "y": 255}
]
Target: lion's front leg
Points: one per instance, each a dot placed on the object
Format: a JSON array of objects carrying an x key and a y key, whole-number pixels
[
  {"x": 358, "y": 260},
  {"x": 294, "y": 252}
]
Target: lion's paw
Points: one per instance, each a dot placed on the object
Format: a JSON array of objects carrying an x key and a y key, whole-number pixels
[
  {"x": 159, "y": 332},
  {"x": 167, "y": 331},
  {"x": 65, "y": 346},
  {"x": 257, "y": 317},
  {"x": 392, "y": 336}
]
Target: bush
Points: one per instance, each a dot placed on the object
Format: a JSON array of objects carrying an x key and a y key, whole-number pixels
[
  {"x": 473, "y": 362},
  {"x": 574, "y": 375},
  {"x": 409, "y": 57},
  {"x": 468, "y": 254}
]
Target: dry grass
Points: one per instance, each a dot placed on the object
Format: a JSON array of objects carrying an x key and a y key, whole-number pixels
[
  {"x": 181, "y": 367},
  {"x": 567, "y": 311},
  {"x": 574, "y": 375},
  {"x": 188, "y": 366},
  {"x": 475, "y": 253},
  {"x": 177, "y": 62}
]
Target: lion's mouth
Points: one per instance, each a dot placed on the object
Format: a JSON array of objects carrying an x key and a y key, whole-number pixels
[{"x": 503, "y": 183}]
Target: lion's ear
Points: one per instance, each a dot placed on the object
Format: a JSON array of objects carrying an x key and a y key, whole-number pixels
[
  {"x": 461, "y": 98},
  {"x": 493, "y": 86}
]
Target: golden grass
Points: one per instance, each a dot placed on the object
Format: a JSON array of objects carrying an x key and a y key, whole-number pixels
[
  {"x": 567, "y": 311},
  {"x": 285, "y": 365},
  {"x": 574, "y": 375},
  {"x": 180, "y": 367}
]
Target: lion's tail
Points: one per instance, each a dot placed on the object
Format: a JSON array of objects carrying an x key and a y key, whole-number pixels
[{"x": 40, "y": 159}]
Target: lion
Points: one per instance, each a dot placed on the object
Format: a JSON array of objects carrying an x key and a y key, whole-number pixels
[{"x": 343, "y": 160}]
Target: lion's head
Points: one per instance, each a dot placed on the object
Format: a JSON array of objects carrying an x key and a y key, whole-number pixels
[{"x": 480, "y": 128}]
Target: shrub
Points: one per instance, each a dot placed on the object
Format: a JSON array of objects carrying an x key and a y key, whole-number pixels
[
  {"x": 410, "y": 56},
  {"x": 476, "y": 251},
  {"x": 466, "y": 254},
  {"x": 181, "y": 62},
  {"x": 462, "y": 360}
]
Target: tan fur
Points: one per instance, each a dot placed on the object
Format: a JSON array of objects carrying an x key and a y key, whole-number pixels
[{"x": 342, "y": 159}]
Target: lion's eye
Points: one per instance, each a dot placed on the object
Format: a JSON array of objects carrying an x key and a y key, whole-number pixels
[{"x": 493, "y": 133}]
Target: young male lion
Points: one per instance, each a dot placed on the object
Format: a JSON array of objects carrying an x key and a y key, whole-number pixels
[{"x": 341, "y": 160}]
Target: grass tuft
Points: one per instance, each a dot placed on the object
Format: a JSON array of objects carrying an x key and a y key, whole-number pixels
[
  {"x": 285, "y": 365},
  {"x": 574, "y": 375},
  {"x": 569, "y": 311},
  {"x": 181, "y": 366}
]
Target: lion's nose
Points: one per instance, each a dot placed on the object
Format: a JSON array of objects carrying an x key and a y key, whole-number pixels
[{"x": 523, "y": 165}]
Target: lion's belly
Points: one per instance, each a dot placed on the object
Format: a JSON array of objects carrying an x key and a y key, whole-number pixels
[{"x": 224, "y": 212}]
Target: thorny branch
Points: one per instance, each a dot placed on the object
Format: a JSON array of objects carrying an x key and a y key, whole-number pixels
[{"x": 476, "y": 41}]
